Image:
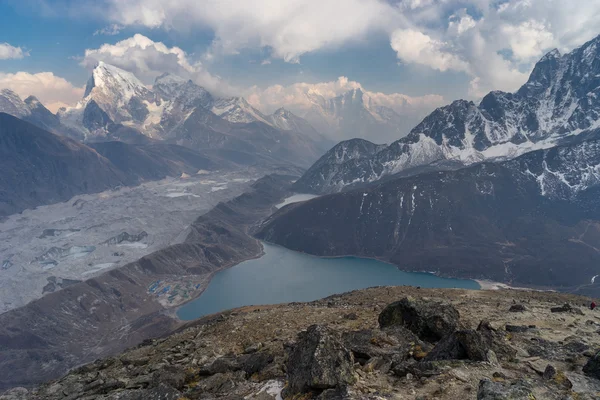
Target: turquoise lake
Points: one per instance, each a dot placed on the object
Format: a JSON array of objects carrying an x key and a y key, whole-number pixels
[{"x": 283, "y": 276}]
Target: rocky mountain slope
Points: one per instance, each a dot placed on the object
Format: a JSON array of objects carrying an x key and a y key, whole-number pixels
[
  {"x": 380, "y": 343},
  {"x": 121, "y": 307},
  {"x": 529, "y": 221},
  {"x": 39, "y": 167},
  {"x": 559, "y": 102},
  {"x": 33, "y": 111}
]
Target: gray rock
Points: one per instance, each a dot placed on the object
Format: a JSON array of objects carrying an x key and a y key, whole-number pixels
[
  {"x": 461, "y": 345},
  {"x": 429, "y": 320},
  {"x": 17, "y": 393},
  {"x": 249, "y": 363},
  {"x": 517, "y": 308},
  {"x": 518, "y": 390},
  {"x": 161, "y": 392},
  {"x": 496, "y": 341},
  {"x": 318, "y": 361},
  {"x": 516, "y": 328},
  {"x": 549, "y": 372},
  {"x": 592, "y": 367}
]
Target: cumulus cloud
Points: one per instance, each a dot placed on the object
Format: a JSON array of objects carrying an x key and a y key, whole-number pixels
[
  {"x": 415, "y": 47},
  {"x": 289, "y": 28},
  {"x": 8, "y": 52},
  {"x": 495, "y": 43},
  {"x": 299, "y": 97},
  {"x": 147, "y": 59},
  {"x": 53, "y": 91}
]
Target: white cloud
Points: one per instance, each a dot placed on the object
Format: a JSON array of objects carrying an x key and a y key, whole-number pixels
[
  {"x": 289, "y": 28},
  {"x": 8, "y": 52},
  {"x": 529, "y": 39},
  {"x": 147, "y": 59},
  {"x": 110, "y": 30},
  {"x": 299, "y": 97},
  {"x": 412, "y": 46},
  {"x": 53, "y": 91}
]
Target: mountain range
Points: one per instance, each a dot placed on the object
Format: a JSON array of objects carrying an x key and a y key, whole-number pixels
[
  {"x": 118, "y": 106},
  {"x": 558, "y": 103},
  {"x": 531, "y": 221}
]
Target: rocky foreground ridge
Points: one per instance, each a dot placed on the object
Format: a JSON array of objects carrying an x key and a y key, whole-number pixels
[{"x": 378, "y": 343}]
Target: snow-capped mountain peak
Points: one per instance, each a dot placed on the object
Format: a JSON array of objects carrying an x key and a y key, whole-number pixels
[
  {"x": 110, "y": 83},
  {"x": 168, "y": 85},
  {"x": 237, "y": 109}
]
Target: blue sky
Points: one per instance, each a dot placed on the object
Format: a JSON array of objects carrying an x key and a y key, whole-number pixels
[{"x": 412, "y": 55}]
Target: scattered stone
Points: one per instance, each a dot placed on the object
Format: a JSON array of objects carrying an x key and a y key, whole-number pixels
[
  {"x": 518, "y": 390},
  {"x": 517, "y": 308},
  {"x": 350, "y": 316},
  {"x": 592, "y": 367},
  {"x": 496, "y": 341},
  {"x": 516, "y": 328},
  {"x": 549, "y": 372},
  {"x": 318, "y": 361},
  {"x": 429, "y": 320},
  {"x": 253, "y": 348},
  {"x": 567, "y": 308},
  {"x": 460, "y": 345}
]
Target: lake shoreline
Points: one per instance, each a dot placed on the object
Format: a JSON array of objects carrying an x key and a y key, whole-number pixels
[{"x": 299, "y": 277}]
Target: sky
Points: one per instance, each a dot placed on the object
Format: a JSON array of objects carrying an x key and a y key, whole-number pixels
[{"x": 411, "y": 55}]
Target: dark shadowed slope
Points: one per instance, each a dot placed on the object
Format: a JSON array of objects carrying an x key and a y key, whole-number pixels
[
  {"x": 39, "y": 167},
  {"x": 534, "y": 220}
]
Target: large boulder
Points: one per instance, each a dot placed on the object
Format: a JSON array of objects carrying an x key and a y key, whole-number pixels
[
  {"x": 518, "y": 390},
  {"x": 429, "y": 320},
  {"x": 249, "y": 363},
  {"x": 496, "y": 340},
  {"x": 460, "y": 345},
  {"x": 592, "y": 367},
  {"x": 318, "y": 361},
  {"x": 386, "y": 344}
]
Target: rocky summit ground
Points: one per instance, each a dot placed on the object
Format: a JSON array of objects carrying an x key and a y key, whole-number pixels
[{"x": 378, "y": 343}]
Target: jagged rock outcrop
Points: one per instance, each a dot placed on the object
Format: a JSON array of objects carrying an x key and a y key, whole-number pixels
[
  {"x": 318, "y": 361},
  {"x": 460, "y": 345},
  {"x": 592, "y": 367},
  {"x": 429, "y": 320}
]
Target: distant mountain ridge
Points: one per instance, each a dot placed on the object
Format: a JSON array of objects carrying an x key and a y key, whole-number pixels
[
  {"x": 353, "y": 114},
  {"x": 559, "y": 102},
  {"x": 39, "y": 167},
  {"x": 179, "y": 111}
]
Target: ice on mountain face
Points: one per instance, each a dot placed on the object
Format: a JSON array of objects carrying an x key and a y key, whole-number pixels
[
  {"x": 560, "y": 100},
  {"x": 237, "y": 109}
]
